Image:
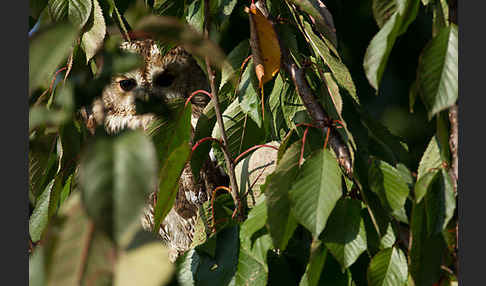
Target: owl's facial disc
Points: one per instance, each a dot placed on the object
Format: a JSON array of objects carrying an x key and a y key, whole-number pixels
[{"x": 163, "y": 79}]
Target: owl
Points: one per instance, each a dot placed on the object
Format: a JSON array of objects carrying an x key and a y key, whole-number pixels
[{"x": 164, "y": 77}]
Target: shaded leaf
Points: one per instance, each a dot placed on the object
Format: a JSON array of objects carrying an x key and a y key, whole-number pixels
[
  {"x": 380, "y": 47},
  {"x": 92, "y": 39},
  {"x": 388, "y": 267},
  {"x": 198, "y": 268},
  {"x": 426, "y": 252},
  {"x": 116, "y": 175},
  {"x": 231, "y": 67},
  {"x": 47, "y": 49},
  {"x": 345, "y": 235},
  {"x": 252, "y": 266},
  {"x": 76, "y": 238},
  {"x": 440, "y": 202},
  {"x": 438, "y": 71},
  {"x": 316, "y": 263},
  {"x": 168, "y": 182},
  {"x": 316, "y": 190}
]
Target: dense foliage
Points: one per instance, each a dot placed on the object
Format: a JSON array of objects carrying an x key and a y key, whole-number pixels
[{"x": 348, "y": 202}]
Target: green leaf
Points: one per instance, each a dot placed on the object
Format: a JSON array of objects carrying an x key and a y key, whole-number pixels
[
  {"x": 87, "y": 248},
  {"x": 427, "y": 252},
  {"x": 47, "y": 49},
  {"x": 198, "y": 268},
  {"x": 281, "y": 222},
  {"x": 248, "y": 96},
  {"x": 168, "y": 182},
  {"x": 201, "y": 154},
  {"x": 231, "y": 67},
  {"x": 252, "y": 259},
  {"x": 116, "y": 176},
  {"x": 337, "y": 67},
  {"x": 383, "y": 10},
  {"x": 316, "y": 190},
  {"x": 92, "y": 39},
  {"x": 388, "y": 267},
  {"x": 242, "y": 132},
  {"x": 423, "y": 184},
  {"x": 324, "y": 21},
  {"x": 430, "y": 159},
  {"x": 440, "y": 202},
  {"x": 195, "y": 15},
  {"x": 146, "y": 265},
  {"x": 316, "y": 263},
  {"x": 382, "y": 43},
  {"x": 37, "y": 267},
  {"x": 388, "y": 184},
  {"x": 40, "y": 216},
  {"x": 438, "y": 71},
  {"x": 76, "y": 11},
  {"x": 345, "y": 235}
]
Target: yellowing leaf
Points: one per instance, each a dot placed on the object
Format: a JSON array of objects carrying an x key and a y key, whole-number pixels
[{"x": 264, "y": 44}]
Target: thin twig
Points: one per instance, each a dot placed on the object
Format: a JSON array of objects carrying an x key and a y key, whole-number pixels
[{"x": 219, "y": 118}]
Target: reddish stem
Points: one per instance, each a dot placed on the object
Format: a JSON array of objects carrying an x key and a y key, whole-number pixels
[
  {"x": 204, "y": 140},
  {"x": 197, "y": 92},
  {"x": 303, "y": 145},
  {"x": 327, "y": 137},
  {"x": 251, "y": 149}
]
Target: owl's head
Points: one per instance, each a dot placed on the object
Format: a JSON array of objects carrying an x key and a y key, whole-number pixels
[{"x": 162, "y": 79}]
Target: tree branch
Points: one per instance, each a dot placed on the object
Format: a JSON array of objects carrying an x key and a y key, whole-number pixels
[
  {"x": 453, "y": 143},
  {"x": 219, "y": 118}
]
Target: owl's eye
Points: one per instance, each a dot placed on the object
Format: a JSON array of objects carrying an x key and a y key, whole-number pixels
[
  {"x": 164, "y": 79},
  {"x": 128, "y": 84}
]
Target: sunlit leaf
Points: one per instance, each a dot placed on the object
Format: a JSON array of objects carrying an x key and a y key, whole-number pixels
[
  {"x": 388, "y": 267},
  {"x": 248, "y": 94},
  {"x": 146, "y": 265},
  {"x": 387, "y": 183},
  {"x": 281, "y": 221},
  {"x": 430, "y": 159},
  {"x": 39, "y": 218},
  {"x": 92, "y": 39},
  {"x": 316, "y": 190},
  {"x": 438, "y": 71},
  {"x": 321, "y": 15},
  {"x": 76, "y": 11}
]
